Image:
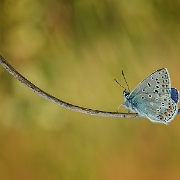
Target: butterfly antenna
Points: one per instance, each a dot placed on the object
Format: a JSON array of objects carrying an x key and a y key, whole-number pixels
[
  {"x": 119, "y": 84},
  {"x": 125, "y": 80}
]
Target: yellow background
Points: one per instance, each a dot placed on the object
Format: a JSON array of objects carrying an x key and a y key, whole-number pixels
[{"x": 74, "y": 50}]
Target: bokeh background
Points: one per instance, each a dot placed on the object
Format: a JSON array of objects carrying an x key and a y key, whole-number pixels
[{"x": 73, "y": 49}]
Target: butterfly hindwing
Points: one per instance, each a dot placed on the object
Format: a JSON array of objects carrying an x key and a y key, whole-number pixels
[{"x": 156, "y": 107}]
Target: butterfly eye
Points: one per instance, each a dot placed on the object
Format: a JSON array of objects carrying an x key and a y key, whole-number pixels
[
  {"x": 156, "y": 91},
  {"x": 126, "y": 93},
  {"x": 149, "y": 84},
  {"x": 157, "y": 87}
]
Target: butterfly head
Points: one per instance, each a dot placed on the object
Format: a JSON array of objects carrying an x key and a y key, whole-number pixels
[
  {"x": 127, "y": 101},
  {"x": 126, "y": 94}
]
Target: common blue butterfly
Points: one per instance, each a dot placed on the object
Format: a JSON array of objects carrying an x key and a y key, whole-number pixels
[{"x": 154, "y": 98}]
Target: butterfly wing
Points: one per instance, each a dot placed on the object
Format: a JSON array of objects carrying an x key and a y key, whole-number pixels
[
  {"x": 175, "y": 95},
  {"x": 158, "y": 82},
  {"x": 156, "y": 107}
]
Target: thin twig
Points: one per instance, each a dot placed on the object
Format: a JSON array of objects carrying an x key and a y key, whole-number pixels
[{"x": 49, "y": 97}]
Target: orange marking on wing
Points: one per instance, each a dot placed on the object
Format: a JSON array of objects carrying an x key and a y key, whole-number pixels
[{"x": 161, "y": 118}]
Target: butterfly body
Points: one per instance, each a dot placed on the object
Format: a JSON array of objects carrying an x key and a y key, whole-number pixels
[{"x": 154, "y": 98}]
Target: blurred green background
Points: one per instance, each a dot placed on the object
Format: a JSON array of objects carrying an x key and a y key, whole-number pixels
[{"x": 74, "y": 50}]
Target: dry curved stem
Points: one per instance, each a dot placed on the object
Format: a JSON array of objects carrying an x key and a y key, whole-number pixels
[{"x": 67, "y": 105}]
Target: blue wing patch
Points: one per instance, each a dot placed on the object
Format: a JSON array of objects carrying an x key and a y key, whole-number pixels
[{"x": 174, "y": 95}]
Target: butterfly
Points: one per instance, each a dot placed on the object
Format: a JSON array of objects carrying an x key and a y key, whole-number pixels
[{"x": 154, "y": 98}]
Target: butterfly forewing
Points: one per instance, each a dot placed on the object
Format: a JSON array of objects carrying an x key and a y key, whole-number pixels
[{"x": 158, "y": 82}]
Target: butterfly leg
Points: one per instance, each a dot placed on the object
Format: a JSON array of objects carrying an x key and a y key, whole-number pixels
[
  {"x": 124, "y": 108},
  {"x": 118, "y": 107}
]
